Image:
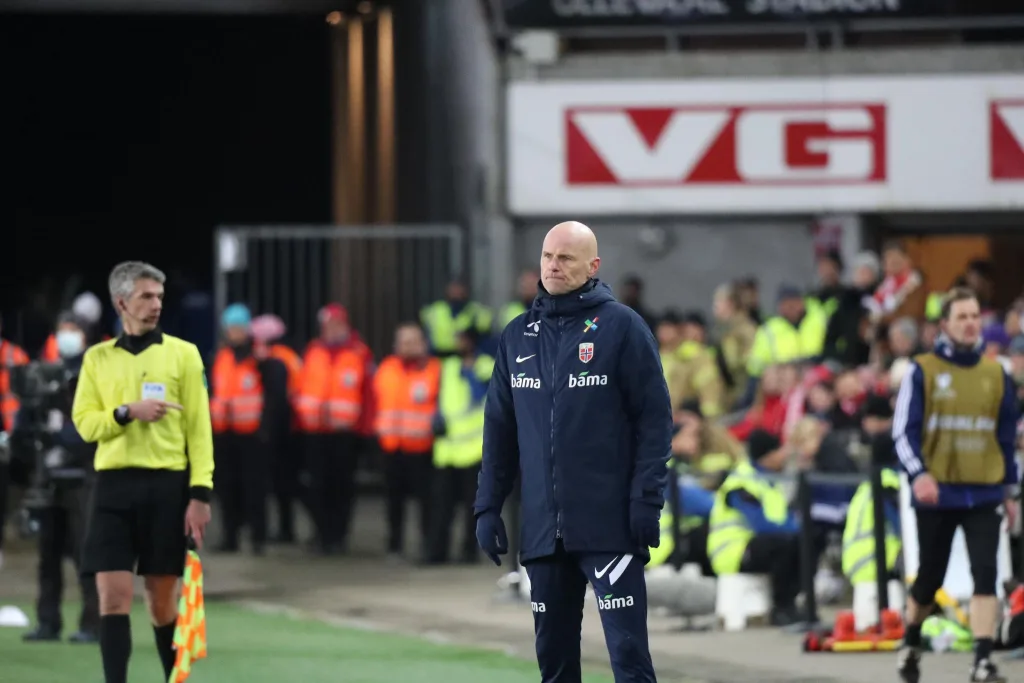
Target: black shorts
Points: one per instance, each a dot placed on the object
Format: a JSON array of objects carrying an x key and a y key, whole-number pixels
[
  {"x": 137, "y": 523},
  {"x": 936, "y": 528}
]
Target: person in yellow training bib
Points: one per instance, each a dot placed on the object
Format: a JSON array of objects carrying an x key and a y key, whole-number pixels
[
  {"x": 955, "y": 429},
  {"x": 143, "y": 399}
]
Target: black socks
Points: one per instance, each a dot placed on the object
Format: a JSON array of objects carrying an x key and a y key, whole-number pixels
[
  {"x": 115, "y": 646},
  {"x": 912, "y": 635},
  {"x": 982, "y": 649},
  {"x": 165, "y": 646}
]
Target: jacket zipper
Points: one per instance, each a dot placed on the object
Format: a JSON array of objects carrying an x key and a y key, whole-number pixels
[{"x": 554, "y": 387}]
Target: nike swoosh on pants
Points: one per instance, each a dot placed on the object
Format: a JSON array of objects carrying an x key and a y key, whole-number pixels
[{"x": 599, "y": 574}]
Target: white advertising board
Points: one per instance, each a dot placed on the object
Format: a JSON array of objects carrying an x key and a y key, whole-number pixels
[{"x": 935, "y": 143}]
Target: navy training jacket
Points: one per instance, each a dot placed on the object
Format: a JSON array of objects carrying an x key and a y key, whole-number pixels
[
  {"x": 577, "y": 406},
  {"x": 908, "y": 432}
]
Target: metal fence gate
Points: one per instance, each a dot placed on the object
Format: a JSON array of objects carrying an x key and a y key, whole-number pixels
[{"x": 383, "y": 274}]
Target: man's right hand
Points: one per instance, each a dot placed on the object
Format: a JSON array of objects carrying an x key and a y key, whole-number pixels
[
  {"x": 151, "y": 409},
  {"x": 926, "y": 489},
  {"x": 490, "y": 534}
]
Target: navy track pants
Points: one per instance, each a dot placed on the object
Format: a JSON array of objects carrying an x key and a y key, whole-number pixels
[{"x": 558, "y": 584}]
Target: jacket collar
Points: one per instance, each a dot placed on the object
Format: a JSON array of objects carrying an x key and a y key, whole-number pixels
[
  {"x": 136, "y": 344},
  {"x": 947, "y": 350},
  {"x": 592, "y": 294}
]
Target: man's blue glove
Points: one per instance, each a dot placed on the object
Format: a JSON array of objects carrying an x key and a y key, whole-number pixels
[
  {"x": 643, "y": 523},
  {"x": 490, "y": 534}
]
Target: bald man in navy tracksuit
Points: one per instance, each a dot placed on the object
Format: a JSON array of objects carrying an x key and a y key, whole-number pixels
[{"x": 579, "y": 408}]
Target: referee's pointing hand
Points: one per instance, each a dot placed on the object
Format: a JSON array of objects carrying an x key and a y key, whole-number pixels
[{"x": 151, "y": 409}]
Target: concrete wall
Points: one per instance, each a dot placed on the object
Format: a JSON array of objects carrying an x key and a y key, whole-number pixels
[{"x": 699, "y": 256}]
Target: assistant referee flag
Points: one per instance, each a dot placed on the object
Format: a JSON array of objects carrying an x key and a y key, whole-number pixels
[{"x": 113, "y": 376}]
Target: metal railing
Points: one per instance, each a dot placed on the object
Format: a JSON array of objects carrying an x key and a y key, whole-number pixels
[{"x": 383, "y": 274}]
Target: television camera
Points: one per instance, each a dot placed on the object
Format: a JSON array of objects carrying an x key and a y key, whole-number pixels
[{"x": 34, "y": 447}]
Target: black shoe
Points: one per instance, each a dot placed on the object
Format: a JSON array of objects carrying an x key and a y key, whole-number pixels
[
  {"x": 785, "y": 616},
  {"x": 41, "y": 634},
  {"x": 986, "y": 672},
  {"x": 909, "y": 664},
  {"x": 83, "y": 638}
]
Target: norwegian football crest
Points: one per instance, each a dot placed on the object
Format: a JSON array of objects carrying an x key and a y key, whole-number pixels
[{"x": 586, "y": 352}]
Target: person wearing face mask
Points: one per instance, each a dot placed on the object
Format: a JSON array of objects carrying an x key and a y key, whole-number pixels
[
  {"x": 458, "y": 446},
  {"x": 335, "y": 410},
  {"x": 249, "y": 410},
  {"x": 62, "y": 526},
  {"x": 88, "y": 310},
  {"x": 955, "y": 428}
]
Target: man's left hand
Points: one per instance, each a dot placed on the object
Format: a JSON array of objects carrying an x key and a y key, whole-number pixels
[
  {"x": 643, "y": 523},
  {"x": 1012, "y": 509},
  {"x": 197, "y": 516}
]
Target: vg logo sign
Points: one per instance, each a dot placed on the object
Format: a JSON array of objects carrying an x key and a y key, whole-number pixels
[{"x": 757, "y": 144}]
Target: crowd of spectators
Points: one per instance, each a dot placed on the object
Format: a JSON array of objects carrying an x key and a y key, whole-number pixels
[{"x": 817, "y": 374}]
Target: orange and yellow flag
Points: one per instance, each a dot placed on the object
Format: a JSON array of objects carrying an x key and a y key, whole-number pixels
[{"x": 190, "y": 632}]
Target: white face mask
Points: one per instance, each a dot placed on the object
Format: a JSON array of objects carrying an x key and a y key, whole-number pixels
[{"x": 70, "y": 343}]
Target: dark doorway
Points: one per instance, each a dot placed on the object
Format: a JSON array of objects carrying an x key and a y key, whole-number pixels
[{"x": 133, "y": 137}]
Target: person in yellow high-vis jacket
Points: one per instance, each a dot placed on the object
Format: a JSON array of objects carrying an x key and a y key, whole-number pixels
[
  {"x": 683, "y": 593},
  {"x": 668, "y": 333},
  {"x": 694, "y": 505},
  {"x": 752, "y": 529},
  {"x": 859, "y": 535},
  {"x": 795, "y": 333},
  {"x": 458, "y": 447},
  {"x": 444, "y": 319},
  {"x": 526, "y": 293},
  {"x": 696, "y": 373}
]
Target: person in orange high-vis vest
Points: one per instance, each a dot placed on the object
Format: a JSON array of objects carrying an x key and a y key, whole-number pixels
[
  {"x": 286, "y": 452},
  {"x": 334, "y": 404},
  {"x": 87, "y": 309},
  {"x": 50, "y": 353},
  {"x": 406, "y": 389},
  {"x": 10, "y": 356},
  {"x": 248, "y": 399}
]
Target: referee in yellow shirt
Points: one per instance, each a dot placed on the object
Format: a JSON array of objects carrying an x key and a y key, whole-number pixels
[{"x": 143, "y": 399}]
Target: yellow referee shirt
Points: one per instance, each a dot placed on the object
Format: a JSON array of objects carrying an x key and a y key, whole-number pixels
[{"x": 115, "y": 373}]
